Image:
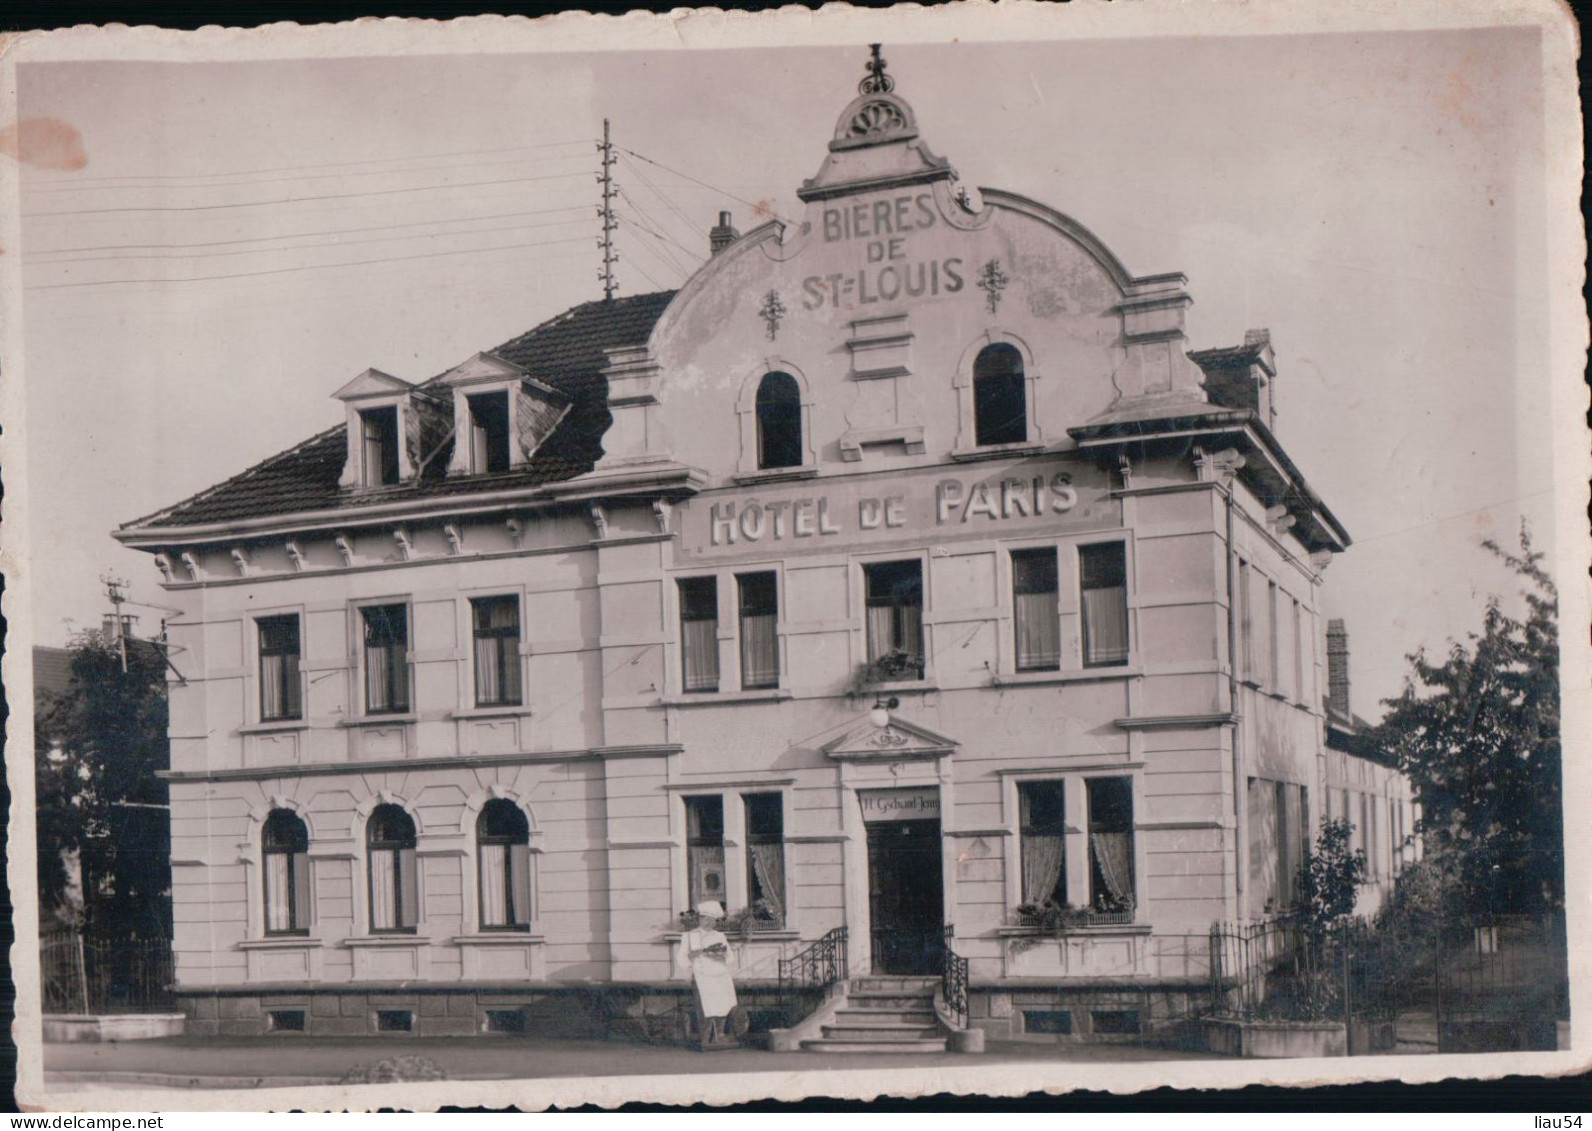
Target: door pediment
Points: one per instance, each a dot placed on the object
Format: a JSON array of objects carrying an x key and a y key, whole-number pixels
[{"x": 897, "y": 741}]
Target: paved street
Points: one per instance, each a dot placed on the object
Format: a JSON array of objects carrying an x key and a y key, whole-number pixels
[{"x": 254, "y": 1062}]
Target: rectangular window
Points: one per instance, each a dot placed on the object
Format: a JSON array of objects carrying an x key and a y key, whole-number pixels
[
  {"x": 699, "y": 633},
  {"x": 1103, "y": 572},
  {"x": 894, "y": 600},
  {"x": 1299, "y": 653},
  {"x": 496, "y": 625},
  {"x": 1273, "y": 675},
  {"x": 1042, "y": 842},
  {"x": 489, "y": 432},
  {"x": 1246, "y": 623},
  {"x": 1035, "y": 614},
  {"x": 1111, "y": 886},
  {"x": 379, "y": 446},
  {"x": 279, "y": 668},
  {"x": 386, "y": 658},
  {"x": 704, "y": 849},
  {"x": 759, "y": 593},
  {"x": 765, "y": 855}
]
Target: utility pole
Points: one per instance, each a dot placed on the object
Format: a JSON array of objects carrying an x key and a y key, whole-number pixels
[
  {"x": 114, "y": 590},
  {"x": 606, "y": 241}
]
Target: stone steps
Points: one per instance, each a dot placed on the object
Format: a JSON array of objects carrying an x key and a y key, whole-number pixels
[{"x": 883, "y": 1015}]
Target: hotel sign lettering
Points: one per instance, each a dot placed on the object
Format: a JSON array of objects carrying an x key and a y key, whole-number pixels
[
  {"x": 855, "y": 508},
  {"x": 880, "y": 229},
  {"x": 900, "y": 804}
]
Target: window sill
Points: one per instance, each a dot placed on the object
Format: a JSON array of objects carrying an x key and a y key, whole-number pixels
[
  {"x": 927, "y": 683},
  {"x": 398, "y": 718},
  {"x": 777, "y": 474},
  {"x": 784, "y": 934},
  {"x": 1065, "y": 675},
  {"x": 704, "y": 698},
  {"x": 397, "y": 938},
  {"x": 507, "y": 710},
  {"x": 279, "y": 942},
  {"x": 1101, "y": 929},
  {"x": 274, "y": 726},
  {"x": 498, "y": 938},
  {"x": 997, "y": 451}
]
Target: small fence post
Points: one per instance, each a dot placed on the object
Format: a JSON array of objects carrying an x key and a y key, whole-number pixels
[
  {"x": 82, "y": 972},
  {"x": 1343, "y": 952}
]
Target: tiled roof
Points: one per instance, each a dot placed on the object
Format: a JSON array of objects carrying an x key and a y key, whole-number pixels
[
  {"x": 1225, "y": 356},
  {"x": 565, "y": 352},
  {"x": 52, "y": 669}
]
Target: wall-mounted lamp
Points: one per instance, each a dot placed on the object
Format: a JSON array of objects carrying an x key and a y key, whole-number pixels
[{"x": 879, "y": 715}]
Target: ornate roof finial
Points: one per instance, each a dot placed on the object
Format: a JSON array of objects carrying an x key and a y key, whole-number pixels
[{"x": 876, "y": 81}]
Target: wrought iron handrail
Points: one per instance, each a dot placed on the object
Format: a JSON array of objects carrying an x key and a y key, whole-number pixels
[
  {"x": 818, "y": 967},
  {"x": 953, "y": 980}
]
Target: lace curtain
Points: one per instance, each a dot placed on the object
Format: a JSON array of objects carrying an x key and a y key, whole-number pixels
[
  {"x": 759, "y": 651},
  {"x": 1105, "y": 620},
  {"x": 768, "y": 864},
  {"x": 700, "y": 639},
  {"x": 1038, "y": 631},
  {"x": 1113, "y": 854}
]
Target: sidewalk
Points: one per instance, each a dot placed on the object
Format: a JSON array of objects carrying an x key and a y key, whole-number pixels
[{"x": 211, "y": 1062}]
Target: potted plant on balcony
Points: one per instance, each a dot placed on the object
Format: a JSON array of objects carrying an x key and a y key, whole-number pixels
[{"x": 892, "y": 667}]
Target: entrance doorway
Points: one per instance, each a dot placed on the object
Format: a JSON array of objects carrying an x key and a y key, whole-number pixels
[{"x": 906, "y": 897}]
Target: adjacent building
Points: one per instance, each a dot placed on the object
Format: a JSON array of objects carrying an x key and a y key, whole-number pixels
[{"x": 902, "y": 572}]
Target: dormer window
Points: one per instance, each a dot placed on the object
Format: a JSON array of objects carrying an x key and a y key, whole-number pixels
[
  {"x": 387, "y": 417},
  {"x": 378, "y": 428},
  {"x": 488, "y": 432},
  {"x": 1000, "y": 400},
  {"x": 501, "y": 414}
]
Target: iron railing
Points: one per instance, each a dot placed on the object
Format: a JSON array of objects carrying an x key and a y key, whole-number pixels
[
  {"x": 953, "y": 980},
  {"x": 80, "y": 975},
  {"x": 816, "y": 968}
]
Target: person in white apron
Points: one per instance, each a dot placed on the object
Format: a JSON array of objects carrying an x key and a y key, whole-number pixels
[{"x": 708, "y": 954}]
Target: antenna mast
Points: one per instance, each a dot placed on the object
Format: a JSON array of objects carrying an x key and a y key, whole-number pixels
[{"x": 606, "y": 241}]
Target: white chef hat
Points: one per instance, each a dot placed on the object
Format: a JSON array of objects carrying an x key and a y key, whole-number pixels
[{"x": 710, "y": 909}]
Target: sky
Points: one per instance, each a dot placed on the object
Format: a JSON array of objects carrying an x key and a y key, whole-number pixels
[{"x": 238, "y": 240}]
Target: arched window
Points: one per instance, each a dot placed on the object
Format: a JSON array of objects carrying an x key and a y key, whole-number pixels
[
  {"x": 287, "y": 874},
  {"x": 394, "y": 892},
  {"x": 779, "y": 421},
  {"x": 503, "y": 844},
  {"x": 1000, "y": 401}
]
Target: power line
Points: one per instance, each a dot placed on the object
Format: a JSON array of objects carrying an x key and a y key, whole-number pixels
[
  {"x": 661, "y": 195},
  {"x": 279, "y": 180},
  {"x": 296, "y": 235},
  {"x": 337, "y": 164},
  {"x": 656, "y": 228},
  {"x": 302, "y": 199},
  {"x": 660, "y": 252},
  {"x": 307, "y": 266},
  {"x": 311, "y": 247},
  {"x": 751, "y": 204}
]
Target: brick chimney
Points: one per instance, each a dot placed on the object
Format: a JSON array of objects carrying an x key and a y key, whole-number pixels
[
  {"x": 1338, "y": 670},
  {"x": 722, "y": 235}
]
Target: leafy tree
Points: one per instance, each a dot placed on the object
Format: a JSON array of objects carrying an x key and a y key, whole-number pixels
[
  {"x": 1478, "y": 735},
  {"x": 98, "y": 747},
  {"x": 1329, "y": 880}
]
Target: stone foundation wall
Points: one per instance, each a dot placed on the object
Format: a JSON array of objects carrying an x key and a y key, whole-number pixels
[
  {"x": 664, "y": 1015},
  {"x": 1160, "y": 1015}
]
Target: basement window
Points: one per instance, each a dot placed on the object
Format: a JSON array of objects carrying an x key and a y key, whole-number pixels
[
  {"x": 505, "y": 1021},
  {"x": 395, "y": 1020},
  {"x": 1055, "y": 1021},
  {"x": 286, "y": 1020},
  {"x": 1114, "y": 1022}
]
